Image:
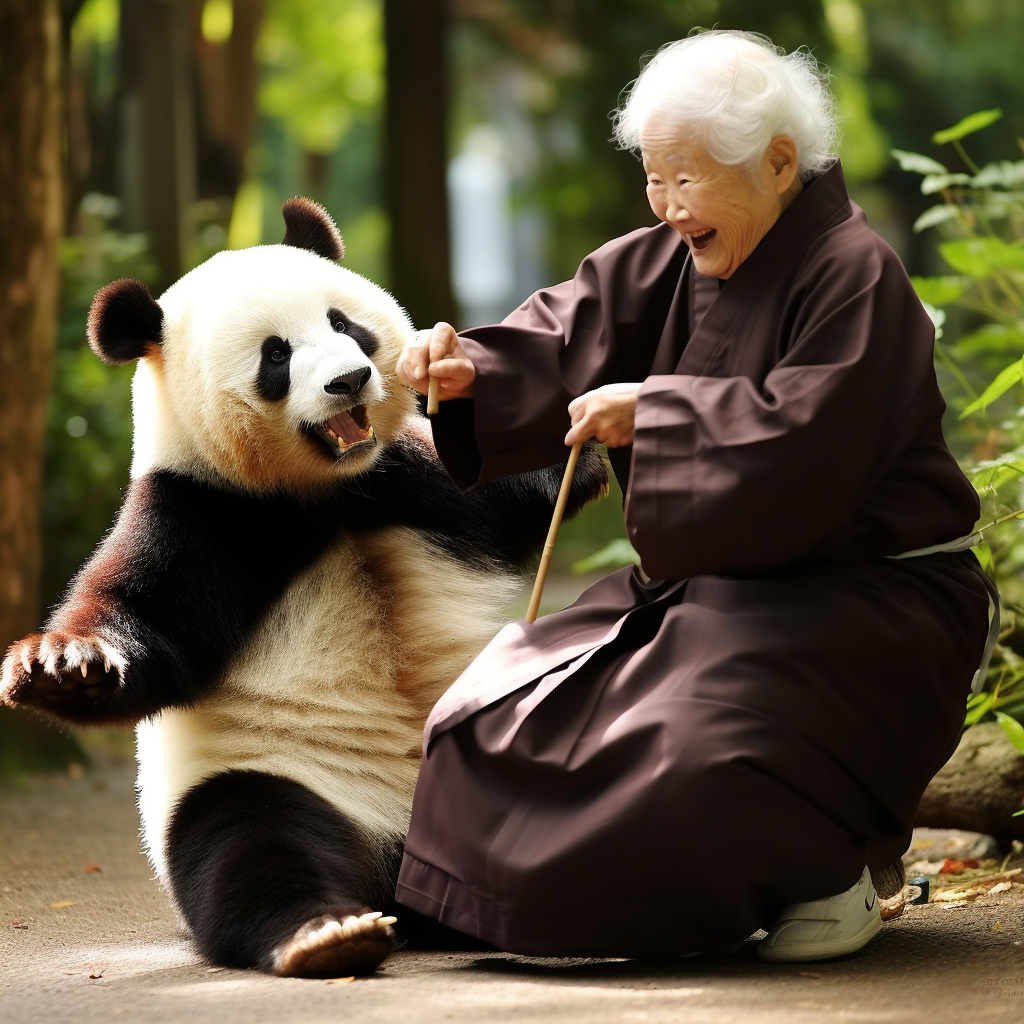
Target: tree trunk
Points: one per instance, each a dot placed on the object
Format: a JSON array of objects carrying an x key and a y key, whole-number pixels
[
  {"x": 158, "y": 152},
  {"x": 416, "y": 158},
  {"x": 980, "y": 788},
  {"x": 228, "y": 78},
  {"x": 31, "y": 214}
]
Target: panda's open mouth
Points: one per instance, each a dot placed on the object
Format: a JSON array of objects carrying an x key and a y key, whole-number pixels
[{"x": 343, "y": 433}]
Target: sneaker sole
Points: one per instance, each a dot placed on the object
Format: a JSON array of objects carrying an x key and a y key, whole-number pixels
[{"x": 821, "y": 950}]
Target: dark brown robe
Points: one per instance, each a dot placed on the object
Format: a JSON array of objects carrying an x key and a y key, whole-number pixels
[{"x": 661, "y": 767}]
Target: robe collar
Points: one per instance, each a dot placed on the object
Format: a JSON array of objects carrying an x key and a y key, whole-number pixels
[{"x": 823, "y": 203}]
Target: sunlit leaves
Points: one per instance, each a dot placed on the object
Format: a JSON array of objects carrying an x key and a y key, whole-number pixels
[
  {"x": 937, "y": 182},
  {"x": 917, "y": 162},
  {"x": 1013, "y": 729},
  {"x": 935, "y": 215},
  {"x": 996, "y": 338},
  {"x": 939, "y": 291},
  {"x": 324, "y": 66},
  {"x": 983, "y": 256},
  {"x": 613, "y": 555},
  {"x": 1005, "y": 380},
  {"x": 970, "y": 124}
]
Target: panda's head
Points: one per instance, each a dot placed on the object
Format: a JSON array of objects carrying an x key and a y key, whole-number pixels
[{"x": 270, "y": 368}]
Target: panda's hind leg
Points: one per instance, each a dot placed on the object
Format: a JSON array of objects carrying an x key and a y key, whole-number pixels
[{"x": 269, "y": 875}]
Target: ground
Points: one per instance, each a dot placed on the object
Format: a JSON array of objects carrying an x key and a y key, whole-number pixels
[{"x": 103, "y": 944}]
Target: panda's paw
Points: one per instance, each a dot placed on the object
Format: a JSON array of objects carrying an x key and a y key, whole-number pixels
[
  {"x": 337, "y": 945},
  {"x": 68, "y": 675}
]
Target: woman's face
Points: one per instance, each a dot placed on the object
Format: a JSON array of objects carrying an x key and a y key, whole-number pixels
[{"x": 722, "y": 211}]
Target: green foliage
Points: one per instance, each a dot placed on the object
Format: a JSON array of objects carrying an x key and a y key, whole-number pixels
[
  {"x": 982, "y": 218},
  {"x": 967, "y": 126},
  {"x": 323, "y": 67},
  {"x": 89, "y": 423},
  {"x": 615, "y": 554}
]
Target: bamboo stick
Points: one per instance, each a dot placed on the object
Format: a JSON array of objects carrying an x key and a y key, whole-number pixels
[
  {"x": 433, "y": 389},
  {"x": 556, "y": 521}
]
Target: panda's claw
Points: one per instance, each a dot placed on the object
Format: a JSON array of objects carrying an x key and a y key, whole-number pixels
[
  {"x": 43, "y": 672},
  {"x": 336, "y": 946}
]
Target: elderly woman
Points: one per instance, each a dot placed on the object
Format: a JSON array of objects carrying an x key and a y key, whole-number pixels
[{"x": 721, "y": 741}]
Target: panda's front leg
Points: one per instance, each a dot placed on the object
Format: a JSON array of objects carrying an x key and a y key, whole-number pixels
[{"x": 269, "y": 875}]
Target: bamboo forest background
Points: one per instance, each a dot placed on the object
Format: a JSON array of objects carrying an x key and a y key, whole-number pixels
[{"x": 286, "y": 97}]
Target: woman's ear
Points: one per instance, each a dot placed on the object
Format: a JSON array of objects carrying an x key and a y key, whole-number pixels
[
  {"x": 784, "y": 161},
  {"x": 124, "y": 323}
]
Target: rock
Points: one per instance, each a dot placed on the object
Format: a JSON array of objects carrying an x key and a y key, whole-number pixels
[
  {"x": 979, "y": 788},
  {"x": 934, "y": 844}
]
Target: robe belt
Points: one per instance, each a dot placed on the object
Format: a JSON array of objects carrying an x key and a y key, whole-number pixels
[
  {"x": 964, "y": 544},
  {"x": 960, "y": 544}
]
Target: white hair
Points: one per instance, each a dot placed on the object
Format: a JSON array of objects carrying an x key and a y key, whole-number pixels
[{"x": 738, "y": 90}]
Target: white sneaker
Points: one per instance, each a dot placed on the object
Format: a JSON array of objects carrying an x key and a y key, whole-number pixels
[{"x": 824, "y": 928}]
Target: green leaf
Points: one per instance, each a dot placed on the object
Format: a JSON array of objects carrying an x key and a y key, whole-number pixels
[
  {"x": 917, "y": 162},
  {"x": 990, "y": 338},
  {"x": 615, "y": 554},
  {"x": 935, "y": 215},
  {"x": 1013, "y": 729},
  {"x": 984, "y": 553},
  {"x": 1005, "y": 173},
  {"x": 933, "y": 183},
  {"x": 982, "y": 257},
  {"x": 1003, "y": 382},
  {"x": 937, "y": 316},
  {"x": 968, "y": 126},
  {"x": 940, "y": 291},
  {"x": 980, "y": 710}
]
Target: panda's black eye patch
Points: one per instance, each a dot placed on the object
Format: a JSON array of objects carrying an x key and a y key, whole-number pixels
[
  {"x": 364, "y": 338},
  {"x": 274, "y": 378}
]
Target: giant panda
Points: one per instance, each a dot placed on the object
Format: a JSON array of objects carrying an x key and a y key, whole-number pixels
[{"x": 290, "y": 584}]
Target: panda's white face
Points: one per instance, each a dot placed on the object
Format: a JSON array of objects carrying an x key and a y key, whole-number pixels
[{"x": 275, "y": 372}]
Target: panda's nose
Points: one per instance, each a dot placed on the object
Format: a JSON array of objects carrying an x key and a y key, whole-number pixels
[{"x": 349, "y": 383}]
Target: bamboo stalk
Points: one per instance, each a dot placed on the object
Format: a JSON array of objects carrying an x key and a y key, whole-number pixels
[
  {"x": 556, "y": 521},
  {"x": 433, "y": 389}
]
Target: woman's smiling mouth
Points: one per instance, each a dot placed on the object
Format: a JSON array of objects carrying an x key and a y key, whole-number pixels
[{"x": 702, "y": 239}]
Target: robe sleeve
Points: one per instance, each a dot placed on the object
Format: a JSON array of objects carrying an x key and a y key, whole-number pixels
[
  {"x": 562, "y": 342},
  {"x": 730, "y": 476}
]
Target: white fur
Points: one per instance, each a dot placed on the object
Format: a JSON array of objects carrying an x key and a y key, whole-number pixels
[
  {"x": 194, "y": 399},
  {"x": 333, "y": 690},
  {"x": 333, "y": 687}
]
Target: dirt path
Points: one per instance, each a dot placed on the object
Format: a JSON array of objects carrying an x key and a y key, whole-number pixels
[{"x": 114, "y": 952}]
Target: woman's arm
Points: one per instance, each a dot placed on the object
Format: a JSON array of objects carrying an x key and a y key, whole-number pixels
[{"x": 562, "y": 343}]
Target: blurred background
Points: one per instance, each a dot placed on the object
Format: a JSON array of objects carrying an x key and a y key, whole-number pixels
[{"x": 463, "y": 148}]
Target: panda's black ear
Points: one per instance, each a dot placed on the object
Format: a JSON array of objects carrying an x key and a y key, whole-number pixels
[
  {"x": 124, "y": 321},
  {"x": 309, "y": 226}
]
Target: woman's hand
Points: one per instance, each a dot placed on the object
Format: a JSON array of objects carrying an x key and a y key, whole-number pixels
[
  {"x": 437, "y": 353},
  {"x": 606, "y": 414}
]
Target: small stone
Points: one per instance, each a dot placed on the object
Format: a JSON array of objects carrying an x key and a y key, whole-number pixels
[{"x": 941, "y": 844}]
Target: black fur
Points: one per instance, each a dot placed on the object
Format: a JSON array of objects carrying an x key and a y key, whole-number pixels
[
  {"x": 124, "y": 320},
  {"x": 252, "y": 857},
  {"x": 363, "y": 337},
  {"x": 274, "y": 377},
  {"x": 190, "y": 568},
  {"x": 309, "y": 226}
]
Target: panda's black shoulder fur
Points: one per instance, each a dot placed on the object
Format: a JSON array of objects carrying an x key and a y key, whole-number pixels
[
  {"x": 190, "y": 568},
  {"x": 501, "y": 522}
]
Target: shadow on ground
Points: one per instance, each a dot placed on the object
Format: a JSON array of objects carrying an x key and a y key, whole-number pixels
[{"x": 97, "y": 940}]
